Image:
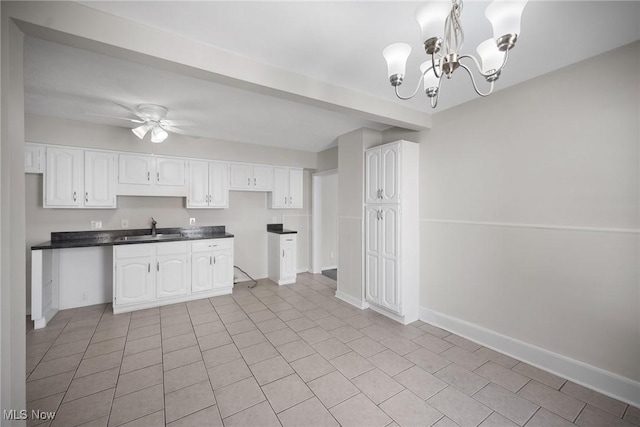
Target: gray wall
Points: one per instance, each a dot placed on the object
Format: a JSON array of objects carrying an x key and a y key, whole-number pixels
[
  {"x": 328, "y": 159},
  {"x": 329, "y": 214},
  {"x": 530, "y": 212}
]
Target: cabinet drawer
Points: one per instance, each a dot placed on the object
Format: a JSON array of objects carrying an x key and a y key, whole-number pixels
[
  {"x": 210, "y": 245},
  {"x": 134, "y": 251},
  {"x": 169, "y": 248},
  {"x": 288, "y": 239}
]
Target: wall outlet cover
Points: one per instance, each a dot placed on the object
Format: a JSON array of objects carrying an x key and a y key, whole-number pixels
[
  {"x": 125, "y": 223},
  {"x": 192, "y": 221},
  {"x": 96, "y": 225}
]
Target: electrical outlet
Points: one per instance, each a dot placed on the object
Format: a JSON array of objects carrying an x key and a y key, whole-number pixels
[
  {"x": 96, "y": 225},
  {"x": 192, "y": 221},
  {"x": 83, "y": 297},
  {"x": 125, "y": 223},
  {"x": 331, "y": 255}
]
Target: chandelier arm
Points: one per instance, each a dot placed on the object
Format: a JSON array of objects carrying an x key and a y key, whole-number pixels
[
  {"x": 404, "y": 98},
  {"x": 434, "y": 99},
  {"x": 504, "y": 62},
  {"x": 473, "y": 82},
  {"x": 433, "y": 66}
]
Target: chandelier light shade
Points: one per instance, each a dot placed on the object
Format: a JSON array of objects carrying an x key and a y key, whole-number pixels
[{"x": 443, "y": 37}]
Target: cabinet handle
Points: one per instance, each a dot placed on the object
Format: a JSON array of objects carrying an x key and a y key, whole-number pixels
[
  {"x": 290, "y": 200},
  {"x": 74, "y": 196},
  {"x": 289, "y": 240},
  {"x": 86, "y": 196},
  {"x": 158, "y": 266},
  {"x": 158, "y": 176},
  {"x": 148, "y": 176},
  {"x": 210, "y": 260},
  {"x": 149, "y": 267},
  {"x": 213, "y": 246},
  {"x": 248, "y": 181},
  {"x": 214, "y": 260},
  {"x": 283, "y": 253},
  {"x": 254, "y": 182},
  {"x": 285, "y": 200}
]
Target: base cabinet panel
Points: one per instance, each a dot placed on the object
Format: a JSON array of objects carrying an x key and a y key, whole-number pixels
[
  {"x": 134, "y": 280},
  {"x": 282, "y": 258},
  {"x": 172, "y": 275}
]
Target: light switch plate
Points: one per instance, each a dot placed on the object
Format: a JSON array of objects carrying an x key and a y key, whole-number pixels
[
  {"x": 192, "y": 221},
  {"x": 96, "y": 225}
]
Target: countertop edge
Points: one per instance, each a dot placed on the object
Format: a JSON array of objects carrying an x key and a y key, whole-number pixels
[{"x": 92, "y": 243}]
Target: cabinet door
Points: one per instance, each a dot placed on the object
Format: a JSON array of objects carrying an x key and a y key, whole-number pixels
[
  {"x": 280, "y": 194},
  {"x": 372, "y": 254},
  {"x": 198, "y": 195},
  {"x": 262, "y": 178},
  {"x": 63, "y": 178},
  {"x": 33, "y": 158},
  {"x": 172, "y": 275},
  {"x": 169, "y": 171},
  {"x": 222, "y": 269},
  {"x": 372, "y": 176},
  {"x": 241, "y": 176},
  {"x": 201, "y": 271},
  {"x": 134, "y": 169},
  {"x": 218, "y": 185},
  {"x": 99, "y": 179},
  {"x": 288, "y": 262},
  {"x": 295, "y": 188},
  {"x": 134, "y": 280},
  {"x": 389, "y": 173},
  {"x": 389, "y": 257}
]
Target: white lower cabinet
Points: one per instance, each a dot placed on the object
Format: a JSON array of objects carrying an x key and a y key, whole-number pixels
[
  {"x": 282, "y": 258},
  {"x": 153, "y": 274}
]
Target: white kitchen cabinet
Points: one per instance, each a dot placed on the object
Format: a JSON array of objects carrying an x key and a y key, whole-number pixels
[
  {"x": 212, "y": 265},
  {"x": 34, "y": 155},
  {"x": 134, "y": 281},
  {"x": 99, "y": 179},
  {"x": 249, "y": 177},
  {"x": 172, "y": 275},
  {"x": 382, "y": 174},
  {"x": 208, "y": 185},
  {"x": 282, "y": 258},
  {"x": 170, "y": 171},
  {"x": 135, "y": 169},
  {"x": 391, "y": 230},
  {"x": 63, "y": 184},
  {"x": 145, "y": 175},
  {"x": 287, "y": 188}
]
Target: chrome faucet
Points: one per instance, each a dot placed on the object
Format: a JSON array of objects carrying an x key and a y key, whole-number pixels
[{"x": 153, "y": 227}]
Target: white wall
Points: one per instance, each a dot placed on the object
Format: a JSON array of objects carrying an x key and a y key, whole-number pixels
[
  {"x": 329, "y": 214},
  {"x": 530, "y": 212},
  {"x": 246, "y": 217}
]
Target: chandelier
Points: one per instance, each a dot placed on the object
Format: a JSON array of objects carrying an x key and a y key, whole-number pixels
[{"x": 445, "y": 56}]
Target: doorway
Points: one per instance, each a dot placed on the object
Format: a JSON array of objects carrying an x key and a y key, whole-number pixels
[{"x": 325, "y": 223}]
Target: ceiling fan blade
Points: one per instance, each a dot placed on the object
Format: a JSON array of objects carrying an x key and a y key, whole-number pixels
[
  {"x": 175, "y": 129},
  {"x": 132, "y": 111},
  {"x": 115, "y": 117}
]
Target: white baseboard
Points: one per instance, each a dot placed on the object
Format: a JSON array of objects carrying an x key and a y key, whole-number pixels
[
  {"x": 351, "y": 300},
  {"x": 605, "y": 382},
  {"x": 331, "y": 267}
]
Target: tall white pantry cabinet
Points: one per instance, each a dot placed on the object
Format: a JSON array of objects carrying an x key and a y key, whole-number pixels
[{"x": 391, "y": 235}]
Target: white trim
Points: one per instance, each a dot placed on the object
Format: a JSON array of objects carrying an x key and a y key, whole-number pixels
[
  {"x": 537, "y": 226},
  {"x": 125, "y": 308},
  {"x": 352, "y": 300},
  {"x": 605, "y": 382},
  {"x": 316, "y": 219},
  {"x": 331, "y": 267},
  {"x": 404, "y": 319}
]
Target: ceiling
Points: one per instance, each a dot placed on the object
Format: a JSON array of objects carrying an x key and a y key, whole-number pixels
[{"x": 333, "y": 41}]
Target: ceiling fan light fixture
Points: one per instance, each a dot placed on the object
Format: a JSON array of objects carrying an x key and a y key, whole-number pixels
[
  {"x": 141, "y": 131},
  {"x": 158, "y": 135}
]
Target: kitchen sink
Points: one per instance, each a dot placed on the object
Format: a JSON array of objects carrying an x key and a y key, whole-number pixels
[{"x": 148, "y": 237}]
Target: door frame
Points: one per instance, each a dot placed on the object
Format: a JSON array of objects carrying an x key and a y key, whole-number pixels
[{"x": 316, "y": 219}]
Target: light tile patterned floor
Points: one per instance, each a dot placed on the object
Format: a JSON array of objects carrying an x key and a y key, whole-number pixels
[{"x": 292, "y": 356}]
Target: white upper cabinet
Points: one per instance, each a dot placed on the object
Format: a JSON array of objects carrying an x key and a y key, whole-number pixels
[
  {"x": 287, "y": 188},
  {"x": 208, "y": 184},
  {"x": 250, "y": 177},
  {"x": 381, "y": 171},
  {"x": 144, "y": 175},
  {"x": 99, "y": 179},
  {"x": 63, "y": 178},
  {"x": 34, "y": 155}
]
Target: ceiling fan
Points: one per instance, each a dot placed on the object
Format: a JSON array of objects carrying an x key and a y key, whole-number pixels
[{"x": 152, "y": 119}]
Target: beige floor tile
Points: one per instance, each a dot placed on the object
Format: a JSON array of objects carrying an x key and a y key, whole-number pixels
[
  {"x": 346, "y": 333},
  {"x": 420, "y": 382},
  {"x": 539, "y": 375},
  {"x": 330, "y": 322},
  {"x": 502, "y": 376},
  {"x": 238, "y": 397},
  {"x": 262, "y": 316},
  {"x": 594, "y": 398},
  {"x": 377, "y": 385},
  {"x": 136, "y": 405},
  {"x": 359, "y": 411},
  {"x": 287, "y": 315},
  {"x": 182, "y": 357},
  {"x": 462, "y": 342},
  {"x": 85, "y": 409},
  {"x": 286, "y": 392},
  {"x": 184, "y": 376},
  {"x": 175, "y": 320},
  {"x": 315, "y": 335},
  {"x": 310, "y": 413},
  {"x": 175, "y": 330},
  {"x": 38, "y": 350},
  {"x": 390, "y": 362},
  {"x": 138, "y": 380},
  {"x": 98, "y": 422},
  {"x": 84, "y": 386},
  {"x": 333, "y": 388},
  {"x": 433, "y": 343},
  {"x": 551, "y": 399},
  {"x": 232, "y": 317},
  {"x": 48, "y": 386},
  {"x": 357, "y": 321},
  {"x": 188, "y": 400},
  {"x": 229, "y": 308},
  {"x": 209, "y": 328},
  {"x": 282, "y": 336},
  {"x": 317, "y": 313},
  {"x": 497, "y": 420},
  {"x": 219, "y": 355},
  {"x": 279, "y": 306},
  {"x": 209, "y": 417},
  {"x": 247, "y": 339},
  {"x": 253, "y": 308},
  {"x": 400, "y": 345},
  {"x": 312, "y": 367},
  {"x": 300, "y": 324},
  {"x": 145, "y": 331},
  {"x": 64, "y": 350},
  {"x": 366, "y": 347},
  {"x": 509, "y": 404},
  {"x": 144, "y": 321},
  {"x": 377, "y": 332},
  {"x": 142, "y": 344},
  {"x": 110, "y": 334},
  {"x": 464, "y": 358},
  {"x": 105, "y": 347},
  {"x": 409, "y": 332},
  {"x": 632, "y": 415},
  {"x": 331, "y": 348},
  {"x": 351, "y": 364},
  {"x": 145, "y": 313},
  {"x": 295, "y": 350},
  {"x": 459, "y": 407},
  {"x": 141, "y": 360},
  {"x": 462, "y": 379},
  {"x": 228, "y": 373},
  {"x": 179, "y": 342},
  {"x": 99, "y": 363},
  {"x": 216, "y": 339},
  {"x": 496, "y": 357},
  {"x": 55, "y": 367},
  {"x": 257, "y": 415},
  {"x": 595, "y": 417},
  {"x": 259, "y": 352},
  {"x": 204, "y": 317},
  {"x": 240, "y": 327},
  {"x": 152, "y": 420},
  {"x": 46, "y": 404},
  {"x": 270, "y": 370},
  {"x": 427, "y": 360},
  {"x": 544, "y": 418},
  {"x": 271, "y": 324},
  {"x": 409, "y": 410}
]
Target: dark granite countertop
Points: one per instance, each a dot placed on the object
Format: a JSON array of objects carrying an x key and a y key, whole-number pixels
[
  {"x": 277, "y": 229},
  {"x": 82, "y": 239}
]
